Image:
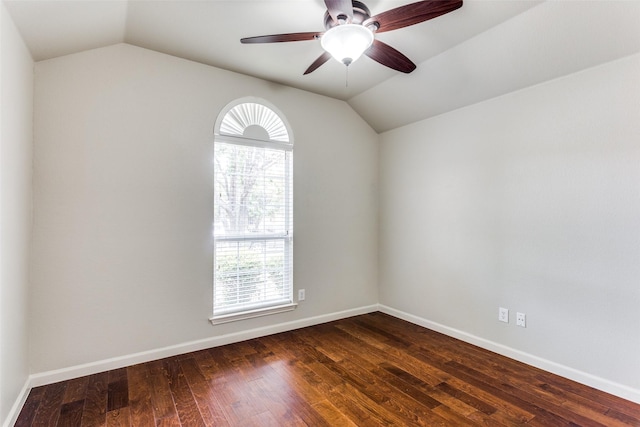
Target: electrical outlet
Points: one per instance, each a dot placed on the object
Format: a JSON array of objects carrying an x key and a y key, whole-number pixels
[
  {"x": 521, "y": 319},
  {"x": 301, "y": 295},
  {"x": 503, "y": 315}
]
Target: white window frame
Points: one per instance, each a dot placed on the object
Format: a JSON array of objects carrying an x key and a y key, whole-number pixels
[{"x": 285, "y": 144}]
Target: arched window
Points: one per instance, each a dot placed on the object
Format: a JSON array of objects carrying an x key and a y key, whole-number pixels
[{"x": 253, "y": 213}]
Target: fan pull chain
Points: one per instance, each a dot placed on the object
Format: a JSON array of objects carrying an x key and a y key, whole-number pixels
[{"x": 346, "y": 77}]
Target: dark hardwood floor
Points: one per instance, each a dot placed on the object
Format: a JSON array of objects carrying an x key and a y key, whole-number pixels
[{"x": 367, "y": 370}]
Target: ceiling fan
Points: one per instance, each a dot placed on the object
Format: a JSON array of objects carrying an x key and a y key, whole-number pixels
[{"x": 350, "y": 31}]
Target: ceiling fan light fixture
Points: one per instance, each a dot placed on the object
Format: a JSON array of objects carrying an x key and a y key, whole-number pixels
[{"x": 347, "y": 42}]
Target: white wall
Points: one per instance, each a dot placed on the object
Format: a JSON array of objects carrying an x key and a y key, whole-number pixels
[
  {"x": 16, "y": 112},
  {"x": 123, "y": 204},
  {"x": 530, "y": 201}
]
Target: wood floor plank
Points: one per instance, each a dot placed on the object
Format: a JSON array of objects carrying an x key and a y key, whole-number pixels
[
  {"x": 624, "y": 418},
  {"x": 369, "y": 370},
  {"x": 71, "y": 414},
  {"x": 210, "y": 409},
  {"x": 164, "y": 409},
  {"x": 238, "y": 401},
  {"x": 588, "y": 396},
  {"x": 182, "y": 396},
  {"x": 49, "y": 409},
  {"x": 95, "y": 405},
  {"x": 327, "y": 382},
  {"x": 205, "y": 365},
  {"x": 140, "y": 406},
  {"x": 331, "y": 414},
  {"x": 280, "y": 401},
  {"x": 30, "y": 408},
  {"x": 168, "y": 422},
  {"x": 116, "y": 375},
  {"x": 424, "y": 397},
  {"x": 120, "y": 417},
  {"x": 76, "y": 389},
  {"x": 361, "y": 376},
  {"x": 472, "y": 401},
  {"x": 426, "y": 372},
  {"x": 263, "y": 419},
  {"x": 117, "y": 395},
  {"x": 528, "y": 399},
  {"x": 507, "y": 412},
  {"x": 417, "y": 390},
  {"x": 293, "y": 373},
  {"x": 224, "y": 370},
  {"x": 454, "y": 417},
  {"x": 203, "y": 389}
]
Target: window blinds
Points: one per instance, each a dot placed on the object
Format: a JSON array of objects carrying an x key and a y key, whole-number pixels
[{"x": 252, "y": 226}]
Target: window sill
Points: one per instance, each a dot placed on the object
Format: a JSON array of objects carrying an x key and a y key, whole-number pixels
[{"x": 250, "y": 314}]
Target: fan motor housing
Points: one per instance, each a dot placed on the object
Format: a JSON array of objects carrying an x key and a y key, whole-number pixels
[{"x": 360, "y": 14}]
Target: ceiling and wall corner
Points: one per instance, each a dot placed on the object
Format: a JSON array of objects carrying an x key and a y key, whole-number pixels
[
  {"x": 209, "y": 32},
  {"x": 484, "y": 49},
  {"x": 553, "y": 39}
]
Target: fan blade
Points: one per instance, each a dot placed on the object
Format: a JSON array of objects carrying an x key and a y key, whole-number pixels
[
  {"x": 412, "y": 14},
  {"x": 318, "y": 62},
  {"x": 276, "y": 38},
  {"x": 339, "y": 7},
  {"x": 389, "y": 57}
]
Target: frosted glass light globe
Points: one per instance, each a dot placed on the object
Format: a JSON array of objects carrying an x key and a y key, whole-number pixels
[{"x": 347, "y": 42}]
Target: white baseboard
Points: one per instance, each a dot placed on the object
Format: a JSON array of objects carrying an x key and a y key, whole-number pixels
[
  {"x": 54, "y": 376},
  {"x": 50, "y": 377},
  {"x": 585, "y": 378},
  {"x": 12, "y": 417}
]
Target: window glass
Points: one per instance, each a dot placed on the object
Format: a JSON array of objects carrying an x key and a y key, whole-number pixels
[{"x": 253, "y": 229}]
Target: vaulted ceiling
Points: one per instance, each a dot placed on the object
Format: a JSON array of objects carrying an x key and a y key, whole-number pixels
[{"x": 484, "y": 49}]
